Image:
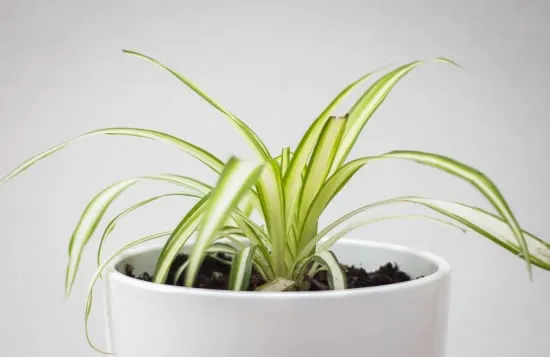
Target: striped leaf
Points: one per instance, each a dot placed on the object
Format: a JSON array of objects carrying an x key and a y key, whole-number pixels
[
  {"x": 179, "y": 272},
  {"x": 252, "y": 138},
  {"x": 320, "y": 162},
  {"x": 327, "y": 245},
  {"x": 328, "y": 191},
  {"x": 492, "y": 227},
  {"x": 237, "y": 178},
  {"x": 262, "y": 265},
  {"x": 94, "y": 213},
  {"x": 241, "y": 268},
  {"x": 87, "y": 225},
  {"x": 367, "y": 105},
  {"x": 112, "y": 224},
  {"x": 298, "y": 162},
  {"x": 270, "y": 191},
  {"x": 214, "y": 249},
  {"x": 478, "y": 180},
  {"x": 99, "y": 273},
  {"x": 204, "y": 156},
  {"x": 485, "y": 223},
  {"x": 252, "y": 230},
  {"x": 453, "y": 167},
  {"x": 285, "y": 159},
  {"x": 336, "y": 277},
  {"x": 186, "y": 227}
]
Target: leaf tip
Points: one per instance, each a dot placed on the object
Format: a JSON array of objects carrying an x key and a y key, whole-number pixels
[{"x": 448, "y": 61}]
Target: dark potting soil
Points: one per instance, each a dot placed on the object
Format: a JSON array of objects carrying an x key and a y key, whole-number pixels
[{"x": 214, "y": 274}]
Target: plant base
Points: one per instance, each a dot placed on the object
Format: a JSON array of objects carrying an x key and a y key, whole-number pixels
[{"x": 214, "y": 275}]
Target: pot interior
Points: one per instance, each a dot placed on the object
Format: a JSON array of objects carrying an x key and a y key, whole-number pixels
[{"x": 365, "y": 254}]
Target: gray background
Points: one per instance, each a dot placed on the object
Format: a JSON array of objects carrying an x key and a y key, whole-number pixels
[{"x": 276, "y": 65}]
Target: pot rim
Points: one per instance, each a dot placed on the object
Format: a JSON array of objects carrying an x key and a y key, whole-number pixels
[{"x": 443, "y": 269}]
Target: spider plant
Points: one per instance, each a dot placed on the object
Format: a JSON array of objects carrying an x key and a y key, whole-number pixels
[{"x": 289, "y": 190}]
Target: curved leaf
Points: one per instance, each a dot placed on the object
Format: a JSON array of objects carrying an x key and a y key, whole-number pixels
[
  {"x": 237, "y": 178},
  {"x": 326, "y": 245},
  {"x": 480, "y": 181},
  {"x": 492, "y": 227},
  {"x": 321, "y": 161},
  {"x": 477, "y": 179},
  {"x": 336, "y": 277},
  {"x": 241, "y": 268},
  {"x": 325, "y": 195},
  {"x": 297, "y": 164},
  {"x": 112, "y": 224},
  {"x": 271, "y": 195},
  {"x": 367, "y": 105},
  {"x": 204, "y": 156},
  {"x": 484, "y": 223},
  {"x": 253, "y": 139},
  {"x": 99, "y": 273},
  {"x": 94, "y": 213},
  {"x": 186, "y": 227},
  {"x": 89, "y": 221}
]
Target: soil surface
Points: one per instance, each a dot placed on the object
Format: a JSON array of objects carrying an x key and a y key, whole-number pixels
[{"x": 214, "y": 274}]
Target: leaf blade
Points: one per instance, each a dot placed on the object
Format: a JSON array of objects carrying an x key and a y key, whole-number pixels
[
  {"x": 185, "y": 228},
  {"x": 112, "y": 224},
  {"x": 95, "y": 211},
  {"x": 202, "y": 155},
  {"x": 299, "y": 159},
  {"x": 241, "y": 268},
  {"x": 336, "y": 277},
  {"x": 253, "y": 139},
  {"x": 237, "y": 178},
  {"x": 98, "y": 274},
  {"x": 321, "y": 162},
  {"x": 368, "y": 104},
  {"x": 271, "y": 195},
  {"x": 479, "y": 180},
  {"x": 326, "y": 245}
]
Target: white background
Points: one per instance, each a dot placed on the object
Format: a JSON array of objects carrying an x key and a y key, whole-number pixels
[{"x": 62, "y": 73}]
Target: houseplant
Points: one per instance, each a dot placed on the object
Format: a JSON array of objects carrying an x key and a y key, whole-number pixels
[{"x": 290, "y": 259}]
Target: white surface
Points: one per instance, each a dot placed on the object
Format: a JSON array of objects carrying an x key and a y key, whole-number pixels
[
  {"x": 400, "y": 320},
  {"x": 277, "y": 65}
]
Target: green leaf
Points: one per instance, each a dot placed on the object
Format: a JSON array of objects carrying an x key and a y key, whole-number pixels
[
  {"x": 492, "y": 227},
  {"x": 95, "y": 211},
  {"x": 328, "y": 191},
  {"x": 253, "y": 139},
  {"x": 99, "y": 273},
  {"x": 180, "y": 271},
  {"x": 298, "y": 162},
  {"x": 241, "y": 269},
  {"x": 87, "y": 225},
  {"x": 320, "y": 162},
  {"x": 235, "y": 181},
  {"x": 216, "y": 248},
  {"x": 484, "y": 223},
  {"x": 367, "y": 105},
  {"x": 336, "y": 277},
  {"x": 326, "y": 245},
  {"x": 204, "y": 156},
  {"x": 478, "y": 180},
  {"x": 112, "y": 224},
  {"x": 186, "y": 227},
  {"x": 262, "y": 265},
  {"x": 252, "y": 230},
  {"x": 455, "y": 168},
  {"x": 285, "y": 159},
  {"x": 270, "y": 192}
]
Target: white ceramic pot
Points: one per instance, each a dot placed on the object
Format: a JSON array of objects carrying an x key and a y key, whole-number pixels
[{"x": 401, "y": 320}]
